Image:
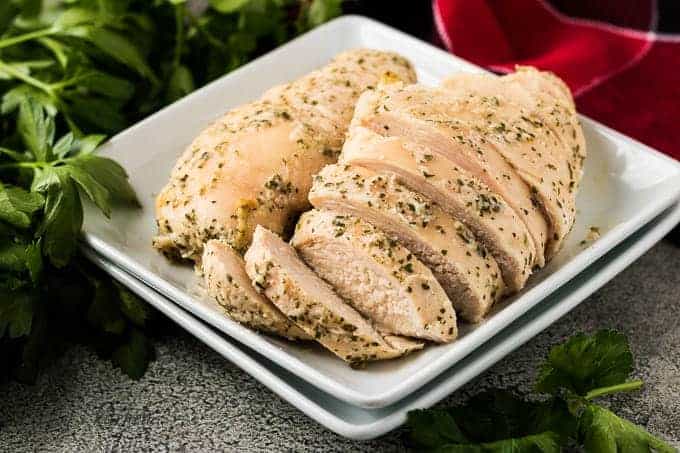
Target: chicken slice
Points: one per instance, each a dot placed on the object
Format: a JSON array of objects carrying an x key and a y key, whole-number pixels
[
  {"x": 495, "y": 225},
  {"x": 530, "y": 117},
  {"x": 379, "y": 277},
  {"x": 403, "y": 344},
  {"x": 469, "y": 275},
  {"x": 556, "y": 102},
  {"x": 449, "y": 125},
  {"x": 253, "y": 166},
  {"x": 304, "y": 298},
  {"x": 228, "y": 283}
]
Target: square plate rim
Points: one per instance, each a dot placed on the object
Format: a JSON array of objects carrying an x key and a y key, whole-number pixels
[
  {"x": 432, "y": 393},
  {"x": 480, "y": 335}
]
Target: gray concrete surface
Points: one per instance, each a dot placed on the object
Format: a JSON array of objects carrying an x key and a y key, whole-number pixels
[{"x": 193, "y": 400}]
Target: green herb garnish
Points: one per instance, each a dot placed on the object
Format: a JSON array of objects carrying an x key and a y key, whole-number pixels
[
  {"x": 574, "y": 374},
  {"x": 71, "y": 70}
]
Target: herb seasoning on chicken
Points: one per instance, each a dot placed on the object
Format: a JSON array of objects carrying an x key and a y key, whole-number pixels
[{"x": 254, "y": 165}]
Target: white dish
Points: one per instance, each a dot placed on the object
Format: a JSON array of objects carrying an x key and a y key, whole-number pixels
[
  {"x": 358, "y": 423},
  {"x": 626, "y": 184}
]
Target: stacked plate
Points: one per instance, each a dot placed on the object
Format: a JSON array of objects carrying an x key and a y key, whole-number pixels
[{"x": 629, "y": 195}]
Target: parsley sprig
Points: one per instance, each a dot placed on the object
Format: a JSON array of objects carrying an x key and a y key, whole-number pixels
[
  {"x": 575, "y": 373},
  {"x": 70, "y": 71},
  {"x": 57, "y": 172}
]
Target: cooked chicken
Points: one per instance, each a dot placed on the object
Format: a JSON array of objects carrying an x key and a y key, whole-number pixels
[
  {"x": 379, "y": 277},
  {"x": 468, "y": 274},
  {"x": 227, "y": 282},
  {"x": 403, "y": 344},
  {"x": 454, "y": 128},
  {"x": 529, "y": 117},
  {"x": 254, "y": 165},
  {"x": 442, "y": 201},
  {"x": 276, "y": 270},
  {"x": 495, "y": 224}
]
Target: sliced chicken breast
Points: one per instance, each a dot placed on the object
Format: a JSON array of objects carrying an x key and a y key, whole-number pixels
[
  {"x": 305, "y": 299},
  {"x": 402, "y": 344},
  {"x": 556, "y": 101},
  {"x": 495, "y": 224},
  {"x": 530, "y": 117},
  {"x": 379, "y": 277},
  {"x": 469, "y": 275},
  {"x": 227, "y": 282},
  {"x": 254, "y": 165},
  {"x": 449, "y": 125}
]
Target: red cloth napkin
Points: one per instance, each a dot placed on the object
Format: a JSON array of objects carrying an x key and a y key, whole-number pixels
[{"x": 625, "y": 75}]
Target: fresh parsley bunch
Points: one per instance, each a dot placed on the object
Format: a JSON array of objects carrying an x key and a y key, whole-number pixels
[
  {"x": 70, "y": 71},
  {"x": 575, "y": 373}
]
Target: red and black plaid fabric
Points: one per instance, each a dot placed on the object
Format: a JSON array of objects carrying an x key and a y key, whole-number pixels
[{"x": 621, "y": 70}]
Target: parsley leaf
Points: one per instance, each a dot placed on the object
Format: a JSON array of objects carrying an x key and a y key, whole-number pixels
[
  {"x": 321, "y": 11},
  {"x": 64, "y": 145},
  {"x": 37, "y": 346},
  {"x": 586, "y": 363},
  {"x": 8, "y": 11},
  {"x": 34, "y": 260},
  {"x": 16, "y": 313},
  {"x": 13, "y": 98},
  {"x": 99, "y": 194},
  {"x": 228, "y": 6},
  {"x": 104, "y": 313},
  {"x": 134, "y": 355},
  {"x": 586, "y": 367},
  {"x": 12, "y": 256},
  {"x": 36, "y": 129},
  {"x": 132, "y": 306},
  {"x": 494, "y": 421},
  {"x": 63, "y": 215},
  {"x": 600, "y": 430},
  {"x": 108, "y": 173},
  {"x": 13, "y": 155},
  {"x": 432, "y": 428},
  {"x": 106, "y": 85},
  {"x": 101, "y": 114},
  {"x": 535, "y": 443},
  {"x": 17, "y": 205},
  {"x": 498, "y": 415},
  {"x": 437, "y": 431},
  {"x": 89, "y": 143},
  {"x": 115, "y": 46},
  {"x": 181, "y": 83}
]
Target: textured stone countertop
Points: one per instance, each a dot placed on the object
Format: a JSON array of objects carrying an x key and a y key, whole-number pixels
[{"x": 193, "y": 400}]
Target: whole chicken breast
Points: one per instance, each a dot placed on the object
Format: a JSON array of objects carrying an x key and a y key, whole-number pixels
[{"x": 254, "y": 165}]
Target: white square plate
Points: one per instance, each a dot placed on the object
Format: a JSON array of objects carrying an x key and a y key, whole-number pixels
[
  {"x": 357, "y": 423},
  {"x": 625, "y": 185}
]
